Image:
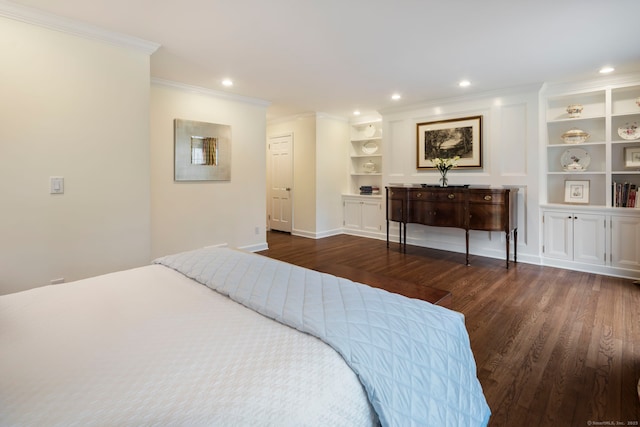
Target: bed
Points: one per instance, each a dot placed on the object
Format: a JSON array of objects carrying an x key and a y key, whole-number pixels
[{"x": 223, "y": 337}]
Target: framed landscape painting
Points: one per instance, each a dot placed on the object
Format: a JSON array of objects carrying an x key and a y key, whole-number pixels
[{"x": 449, "y": 138}]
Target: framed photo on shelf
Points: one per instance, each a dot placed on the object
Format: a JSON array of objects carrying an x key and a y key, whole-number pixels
[
  {"x": 449, "y": 138},
  {"x": 576, "y": 191},
  {"x": 632, "y": 157}
]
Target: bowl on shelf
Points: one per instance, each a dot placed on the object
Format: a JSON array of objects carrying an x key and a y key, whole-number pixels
[
  {"x": 575, "y": 136},
  {"x": 369, "y": 167},
  {"x": 574, "y": 110}
]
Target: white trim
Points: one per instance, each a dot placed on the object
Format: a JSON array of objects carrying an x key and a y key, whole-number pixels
[
  {"x": 209, "y": 92},
  {"x": 501, "y": 93},
  {"x": 316, "y": 235},
  {"x": 605, "y": 270},
  {"x": 255, "y": 248},
  {"x": 38, "y": 17}
]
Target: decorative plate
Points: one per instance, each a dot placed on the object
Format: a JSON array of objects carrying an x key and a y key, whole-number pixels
[
  {"x": 575, "y": 160},
  {"x": 369, "y": 147},
  {"x": 369, "y": 131},
  {"x": 629, "y": 131}
]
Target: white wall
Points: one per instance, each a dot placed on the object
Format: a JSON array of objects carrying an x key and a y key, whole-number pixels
[
  {"x": 510, "y": 158},
  {"x": 76, "y": 108},
  {"x": 189, "y": 215},
  {"x": 332, "y": 138}
]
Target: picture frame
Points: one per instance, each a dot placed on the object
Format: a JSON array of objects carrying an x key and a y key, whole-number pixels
[
  {"x": 632, "y": 157},
  {"x": 202, "y": 151},
  {"x": 576, "y": 191},
  {"x": 449, "y": 138}
]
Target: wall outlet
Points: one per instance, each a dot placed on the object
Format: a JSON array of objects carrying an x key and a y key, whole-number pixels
[
  {"x": 257, "y": 230},
  {"x": 57, "y": 281}
]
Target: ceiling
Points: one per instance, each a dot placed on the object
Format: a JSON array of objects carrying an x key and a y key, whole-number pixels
[{"x": 336, "y": 56}]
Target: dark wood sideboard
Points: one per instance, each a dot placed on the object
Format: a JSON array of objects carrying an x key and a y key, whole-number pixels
[{"x": 465, "y": 207}]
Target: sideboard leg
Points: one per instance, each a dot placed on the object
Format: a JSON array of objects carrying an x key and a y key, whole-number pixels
[
  {"x": 508, "y": 235},
  {"x": 387, "y": 234},
  {"x": 405, "y": 237},
  {"x": 515, "y": 245},
  {"x": 467, "y": 239}
]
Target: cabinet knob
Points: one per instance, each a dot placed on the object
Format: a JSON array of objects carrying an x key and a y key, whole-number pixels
[
  {"x": 451, "y": 196},
  {"x": 487, "y": 198},
  {"x": 419, "y": 195}
]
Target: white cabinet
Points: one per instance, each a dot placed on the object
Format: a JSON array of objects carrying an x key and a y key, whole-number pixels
[
  {"x": 362, "y": 215},
  {"x": 578, "y": 237},
  {"x": 625, "y": 242}
]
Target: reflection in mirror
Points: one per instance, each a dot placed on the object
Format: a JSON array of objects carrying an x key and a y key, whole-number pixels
[{"x": 204, "y": 151}]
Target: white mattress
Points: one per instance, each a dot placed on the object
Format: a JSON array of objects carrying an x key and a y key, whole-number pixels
[{"x": 149, "y": 346}]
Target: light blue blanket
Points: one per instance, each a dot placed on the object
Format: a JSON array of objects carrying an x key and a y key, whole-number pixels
[{"x": 413, "y": 358}]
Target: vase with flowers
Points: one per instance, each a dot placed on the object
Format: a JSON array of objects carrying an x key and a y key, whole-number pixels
[{"x": 444, "y": 166}]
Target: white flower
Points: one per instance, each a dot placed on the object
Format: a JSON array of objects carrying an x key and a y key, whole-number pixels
[{"x": 444, "y": 165}]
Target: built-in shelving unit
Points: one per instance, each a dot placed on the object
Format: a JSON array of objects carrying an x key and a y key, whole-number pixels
[
  {"x": 362, "y": 210},
  {"x": 604, "y": 111},
  {"x": 594, "y": 233},
  {"x": 365, "y": 154}
]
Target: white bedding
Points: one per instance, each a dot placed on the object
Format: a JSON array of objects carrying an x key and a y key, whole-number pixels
[{"x": 149, "y": 346}]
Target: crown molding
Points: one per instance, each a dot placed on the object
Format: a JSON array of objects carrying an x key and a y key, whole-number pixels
[
  {"x": 210, "y": 92},
  {"x": 40, "y": 18},
  {"x": 592, "y": 84}
]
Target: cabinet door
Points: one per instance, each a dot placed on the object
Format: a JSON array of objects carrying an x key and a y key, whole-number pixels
[
  {"x": 371, "y": 218},
  {"x": 352, "y": 214},
  {"x": 625, "y": 242},
  {"x": 558, "y": 235},
  {"x": 589, "y": 238}
]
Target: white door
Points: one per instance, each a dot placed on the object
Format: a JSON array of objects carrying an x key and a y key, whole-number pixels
[
  {"x": 625, "y": 242},
  {"x": 558, "y": 235},
  {"x": 352, "y": 215},
  {"x": 371, "y": 210},
  {"x": 281, "y": 179},
  {"x": 589, "y": 238}
]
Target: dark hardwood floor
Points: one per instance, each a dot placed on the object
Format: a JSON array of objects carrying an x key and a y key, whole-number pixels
[{"x": 553, "y": 347}]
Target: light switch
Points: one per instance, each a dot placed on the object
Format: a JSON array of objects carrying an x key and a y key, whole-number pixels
[{"x": 56, "y": 185}]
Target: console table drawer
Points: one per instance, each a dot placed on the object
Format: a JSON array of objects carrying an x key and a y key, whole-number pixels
[
  {"x": 397, "y": 194},
  {"x": 488, "y": 196},
  {"x": 436, "y": 196}
]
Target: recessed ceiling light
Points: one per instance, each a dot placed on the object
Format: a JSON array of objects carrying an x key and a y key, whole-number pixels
[
  {"x": 606, "y": 70},
  {"x": 464, "y": 83},
  {"x": 227, "y": 82},
  {"x": 356, "y": 113},
  {"x": 396, "y": 96}
]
